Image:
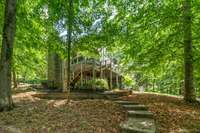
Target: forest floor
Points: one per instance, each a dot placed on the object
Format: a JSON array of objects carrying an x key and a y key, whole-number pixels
[
  {"x": 35, "y": 115},
  {"x": 172, "y": 115}
]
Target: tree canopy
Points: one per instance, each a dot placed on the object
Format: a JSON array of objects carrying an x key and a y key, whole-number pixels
[{"x": 145, "y": 37}]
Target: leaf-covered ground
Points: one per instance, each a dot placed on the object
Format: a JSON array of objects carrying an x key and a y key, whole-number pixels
[
  {"x": 171, "y": 113},
  {"x": 34, "y": 115}
]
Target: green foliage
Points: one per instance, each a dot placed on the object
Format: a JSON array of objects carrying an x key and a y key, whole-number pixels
[
  {"x": 95, "y": 84},
  {"x": 128, "y": 81},
  {"x": 101, "y": 83},
  {"x": 145, "y": 37}
]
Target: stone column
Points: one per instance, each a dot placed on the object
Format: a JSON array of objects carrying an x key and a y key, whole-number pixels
[
  {"x": 56, "y": 72},
  {"x": 51, "y": 70},
  {"x": 64, "y": 76}
]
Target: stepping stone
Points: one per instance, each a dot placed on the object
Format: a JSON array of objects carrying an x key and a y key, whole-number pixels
[
  {"x": 140, "y": 114},
  {"x": 126, "y": 102},
  {"x": 135, "y": 107},
  {"x": 138, "y": 125}
]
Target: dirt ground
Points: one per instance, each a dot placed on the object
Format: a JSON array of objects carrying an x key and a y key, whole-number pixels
[
  {"x": 35, "y": 115},
  {"x": 171, "y": 113}
]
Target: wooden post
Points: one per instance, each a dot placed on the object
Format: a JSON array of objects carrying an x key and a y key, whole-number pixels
[
  {"x": 110, "y": 74},
  {"x": 100, "y": 69},
  {"x": 117, "y": 81},
  {"x": 120, "y": 82},
  {"x": 117, "y": 78},
  {"x": 85, "y": 77},
  {"x": 81, "y": 74},
  {"x": 93, "y": 70},
  {"x": 104, "y": 74},
  {"x": 73, "y": 74}
]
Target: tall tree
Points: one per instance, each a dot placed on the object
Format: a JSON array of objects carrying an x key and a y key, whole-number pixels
[
  {"x": 69, "y": 41},
  {"x": 189, "y": 93},
  {"x": 9, "y": 27}
]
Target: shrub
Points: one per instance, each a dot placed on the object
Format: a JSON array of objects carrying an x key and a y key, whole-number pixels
[
  {"x": 101, "y": 83},
  {"x": 96, "y": 84}
]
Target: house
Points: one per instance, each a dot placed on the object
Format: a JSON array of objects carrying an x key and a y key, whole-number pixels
[
  {"x": 85, "y": 69},
  {"x": 82, "y": 70}
]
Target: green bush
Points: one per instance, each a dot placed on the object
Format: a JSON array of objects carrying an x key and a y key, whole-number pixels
[
  {"x": 95, "y": 84},
  {"x": 101, "y": 83}
]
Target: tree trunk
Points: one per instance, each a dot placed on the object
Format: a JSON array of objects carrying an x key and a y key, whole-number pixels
[
  {"x": 69, "y": 39},
  {"x": 189, "y": 91},
  {"x": 6, "y": 102},
  {"x": 15, "y": 84},
  {"x": 93, "y": 74},
  {"x": 154, "y": 84}
]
